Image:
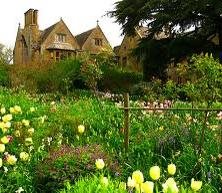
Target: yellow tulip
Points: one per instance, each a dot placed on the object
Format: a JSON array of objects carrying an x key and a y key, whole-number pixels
[
  {"x": 24, "y": 156},
  {"x": 5, "y": 140},
  {"x": 100, "y": 164},
  {"x": 196, "y": 185},
  {"x": 2, "y": 125},
  {"x": 11, "y": 159},
  {"x": 17, "y": 133},
  {"x": 81, "y": 129},
  {"x": 28, "y": 141},
  {"x": 3, "y": 110},
  {"x": 12, "y": 110},
  {"x": 7, "y": 118},
  {"x": 170, "y": 186},
  {"x": 155, "y": 172},
  {"x": 8, "y": 124},
  {"x": 147, "y": 187},
  {"x": 31, "y": 131},
  {"x": 137, "y": 176},
  {"x": 25, "y": 122},
  {"x": 171, "y": 169},
  {"x": 131, "y": 183},
  {"x": 17, "y": 109},
  {"x": 2, "y": 148}
]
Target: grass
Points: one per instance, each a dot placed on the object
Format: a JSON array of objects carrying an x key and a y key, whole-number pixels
[{"x": 155, "y": 139}]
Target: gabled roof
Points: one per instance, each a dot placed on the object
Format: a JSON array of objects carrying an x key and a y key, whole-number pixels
[
  {"x": 81, "y": 38},
  {"x": 47, "y": 31}
]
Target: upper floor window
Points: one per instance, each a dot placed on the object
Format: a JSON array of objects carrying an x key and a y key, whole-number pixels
[
  {"x": 60, "y": 37},
  {"x": 98, "y": 42}
]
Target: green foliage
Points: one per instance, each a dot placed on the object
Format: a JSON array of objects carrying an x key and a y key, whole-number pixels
[
  {"x": 69, "y": 163},
  {"x": 4, "y": 75},
  {"x": 204, "y": 75},
  {"x": 93, "y": 185},
  {"x": 159, "y": 138},
  {"x": 61, "y": 76},
  {"x": 187, "y": 26},
  {"x": 91, "y": 73},
  {"x": 117, "y": 80}
]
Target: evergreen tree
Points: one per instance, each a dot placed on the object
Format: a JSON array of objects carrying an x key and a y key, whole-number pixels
[{"x": 189, "y": 26}]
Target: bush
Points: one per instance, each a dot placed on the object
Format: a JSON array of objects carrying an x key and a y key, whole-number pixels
[
  {"x": 69, "y": 163},
  {"x": 4, "y": 75},
  {"x": 117, "y": 80},
  {"x": 61, "y": 76}
]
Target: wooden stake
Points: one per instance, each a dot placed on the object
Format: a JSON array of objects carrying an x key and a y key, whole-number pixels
[{"x": 126, "y": 121}]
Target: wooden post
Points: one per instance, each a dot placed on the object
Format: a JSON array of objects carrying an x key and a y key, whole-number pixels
[
  {"x": 203, "y": 132},
  {"x": 126, "y": 121}
]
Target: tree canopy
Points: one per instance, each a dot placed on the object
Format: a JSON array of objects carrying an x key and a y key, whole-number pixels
[
  {"x": 189, "y": 25},
  {"x": 6, "y": 54}
]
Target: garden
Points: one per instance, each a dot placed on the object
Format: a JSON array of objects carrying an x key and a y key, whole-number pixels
[{"x": 73, "y": 140}]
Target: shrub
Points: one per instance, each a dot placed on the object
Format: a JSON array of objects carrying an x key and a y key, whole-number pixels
[
  {"x": 69, "y": 163},
  {"x": 4, "y": 75},
  {"x": 117, "y": 80},
  {"x": 204, "y": 73}
]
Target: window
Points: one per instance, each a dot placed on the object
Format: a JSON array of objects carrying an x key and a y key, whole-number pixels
[
  {"x": 60, "y": 38},
  {"x": 98, "y": 42},
  {"x": 57, "y": 56}
]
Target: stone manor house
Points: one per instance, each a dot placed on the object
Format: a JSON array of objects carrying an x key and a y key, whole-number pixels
[{"x": 35, "y": 46}]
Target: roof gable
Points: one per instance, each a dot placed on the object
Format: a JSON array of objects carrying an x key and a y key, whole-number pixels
[
  {"x": 45, "y": 33},
  {"x": 81, "y": 38},
  {"x": 59, "y": 27}
]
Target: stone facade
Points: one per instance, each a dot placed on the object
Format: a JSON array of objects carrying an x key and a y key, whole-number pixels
[
  {"x": 36, "y": 47},
  {"x": 124, "y": 54},
  {"x": 93, "y": 41}
]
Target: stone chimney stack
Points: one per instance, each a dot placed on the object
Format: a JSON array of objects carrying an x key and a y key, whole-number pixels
[{"x": 31, "y": 18}]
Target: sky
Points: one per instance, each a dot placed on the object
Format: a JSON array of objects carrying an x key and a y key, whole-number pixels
[{"x": 79, "y": 16}]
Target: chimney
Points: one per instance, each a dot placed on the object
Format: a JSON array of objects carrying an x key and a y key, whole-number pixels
[{"x": 31, "y": 18}]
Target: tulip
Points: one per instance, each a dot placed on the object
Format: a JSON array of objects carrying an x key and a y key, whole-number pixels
[
  {"x": 7, "y": 118},
  {"x": 147, "y": 187},
  {"x": 81, "y": 129},
  {"x": 137, "y": 176},
  {"x": 11, "y": 159},
  {"x": 170, "y": 186},
  {"x": 2, "y": 148},
  {"x": 5, "y": 140},
  {"x": 171, "y": 169},
  {"x": 196, "y": 185},
  {"x": 155, "y": 172},
  {"x": 3, "y": 110},
  {"x": 131, "y": 183},
  {"x": 24, "y": 156},
  {"x": 100, "y": 164},
  {"x": 28, "y": 141}
]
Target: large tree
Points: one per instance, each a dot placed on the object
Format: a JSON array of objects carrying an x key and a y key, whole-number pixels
[{"x": 189, "y": 24}]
